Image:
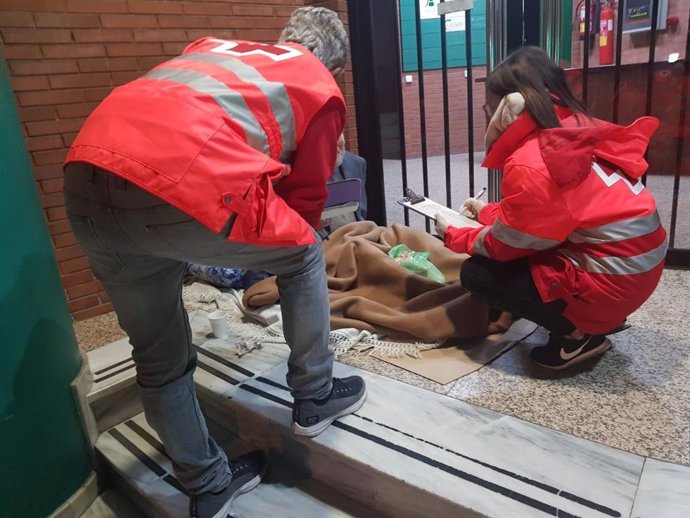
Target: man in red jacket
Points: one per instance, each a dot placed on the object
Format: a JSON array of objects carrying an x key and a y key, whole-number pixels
[
  {"x": 219, "y": 156},
  {"x": 576, "y": 244}
]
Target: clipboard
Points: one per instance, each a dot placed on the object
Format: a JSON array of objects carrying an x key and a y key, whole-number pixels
[{"x": 430, "y": 208}]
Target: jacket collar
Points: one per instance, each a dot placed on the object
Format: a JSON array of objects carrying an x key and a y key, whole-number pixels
[
  {"x": 512, "y": 138},
  {"x": 569, "y": 151}
]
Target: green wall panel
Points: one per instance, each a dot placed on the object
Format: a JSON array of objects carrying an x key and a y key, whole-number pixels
[
  {"x": 431, "y": 39},
  {"x": 43, "y": 453}
]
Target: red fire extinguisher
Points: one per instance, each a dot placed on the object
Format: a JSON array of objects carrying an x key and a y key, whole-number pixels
[
  {"x": 606, "y": 35},
  {"x": 581, "y": 15}
]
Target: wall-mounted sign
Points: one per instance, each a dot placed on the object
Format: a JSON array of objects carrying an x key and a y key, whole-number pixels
[
  {"x": 455, "y": 22},
  {"x": 428, "y": 9},
  {"x": 637, "y": 15}
]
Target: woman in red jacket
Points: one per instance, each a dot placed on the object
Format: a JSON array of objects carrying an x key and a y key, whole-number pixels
[{"x": 576, "y": 244}]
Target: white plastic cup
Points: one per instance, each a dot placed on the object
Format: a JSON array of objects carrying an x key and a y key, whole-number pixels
[{"x": 219, "y": 323}]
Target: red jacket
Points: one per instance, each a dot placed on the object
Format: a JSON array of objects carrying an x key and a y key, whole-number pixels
[
  {"x": 574, "y": 203},
  {"x": 213, "y": 131}
]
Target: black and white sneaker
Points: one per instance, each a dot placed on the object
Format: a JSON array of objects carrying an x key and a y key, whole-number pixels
[
  {"x": 247, "y": 471},
  {"x": 562, "y": 353},
  {"x": 310, "y": 417}
]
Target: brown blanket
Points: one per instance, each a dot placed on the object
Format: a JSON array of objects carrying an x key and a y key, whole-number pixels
[{"x": 369, "y": 290}]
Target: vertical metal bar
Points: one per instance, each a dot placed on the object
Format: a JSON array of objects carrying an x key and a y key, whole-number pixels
[
  {"x": 401, "y": 126},
  {"x": 557, "y": 33},
  {"x": 650, "y": 65},
  {"x": 679, "y": 156},
  {"x": 617, "y": 69},
  {"x": 681, "y": 141},
  {"x": 585, "y": 58},
  {"x": 652, "y": 54},
  {"x": 446, "y": 111},
  {"x": 422, "y": 108},
  {"x": 364, "y": 66},
  {"x": 470, "y": 98},
  {"x": 496, "y": 50}
]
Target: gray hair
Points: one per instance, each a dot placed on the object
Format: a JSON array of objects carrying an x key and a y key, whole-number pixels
[{"x": 321, "y": 31}]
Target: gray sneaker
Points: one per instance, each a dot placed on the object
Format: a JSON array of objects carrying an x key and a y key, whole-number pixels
[
  {"x": 310, "y": 417},
  {"x": 247, "y": 471}
]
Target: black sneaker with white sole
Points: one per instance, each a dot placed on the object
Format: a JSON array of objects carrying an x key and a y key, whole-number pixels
[
  {"x": 247, "y": 471},
  {"x": 562, "y": 353},
  {"x": 310, "y": 417}
]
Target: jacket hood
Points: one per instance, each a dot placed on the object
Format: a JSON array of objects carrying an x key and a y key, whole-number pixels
[{"x": 569, "y": 151}]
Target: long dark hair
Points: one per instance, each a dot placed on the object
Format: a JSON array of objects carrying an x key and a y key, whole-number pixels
[{"x": 530, "y": 71}]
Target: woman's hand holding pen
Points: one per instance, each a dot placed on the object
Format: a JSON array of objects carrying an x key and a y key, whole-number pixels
[{"x": 473, "y": 206}]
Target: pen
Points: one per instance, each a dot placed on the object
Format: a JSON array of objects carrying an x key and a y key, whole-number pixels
[
  {"x": 464, "y": 210},
  {"x": 480, "y": 193}
]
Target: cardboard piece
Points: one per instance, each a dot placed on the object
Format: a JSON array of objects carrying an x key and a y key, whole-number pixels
[{"x": 453, "y": 361}]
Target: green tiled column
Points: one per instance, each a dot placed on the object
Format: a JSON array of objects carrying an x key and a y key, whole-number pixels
[{"x": 43, "y": 452}]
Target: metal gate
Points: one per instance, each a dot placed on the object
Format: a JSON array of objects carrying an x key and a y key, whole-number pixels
[{"x": 419, "y": 90}]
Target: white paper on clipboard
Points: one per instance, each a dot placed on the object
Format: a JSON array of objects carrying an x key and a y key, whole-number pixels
[{"x": 430, "y": 208}]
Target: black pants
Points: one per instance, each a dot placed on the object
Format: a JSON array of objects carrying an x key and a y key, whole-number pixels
[{"x": 508, "y": 286}]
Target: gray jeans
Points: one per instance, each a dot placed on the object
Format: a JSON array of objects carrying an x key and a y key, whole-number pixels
[{"x": 138, "y": 246}]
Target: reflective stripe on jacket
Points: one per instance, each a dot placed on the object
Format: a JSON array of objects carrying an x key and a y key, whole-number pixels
[
  {"x": 211, "y": 132},
  {"x": 574, "y": 203}
]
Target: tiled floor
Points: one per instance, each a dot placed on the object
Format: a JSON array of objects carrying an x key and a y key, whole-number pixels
[{"x": 98, "y": 331}]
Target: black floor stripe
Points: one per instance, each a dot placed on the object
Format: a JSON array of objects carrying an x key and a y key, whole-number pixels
[
  {"x": 105, "y": 369},
  {"x": 114, "y": 373},
  {"x": 273, "y": 383},
  {"x": 521, "y": 478},
  {"x": 568, "y": 496},
  {"x": 593, "y": 505},
  {"x": 146, "y": 460},
  {"x": 541, "y": 485},
  {"x": 175, "y": 483},
  {"x": 217, "y": 373},
  {"x": 502, "y": 471},
  {"x": 225, "y": 362},
  {"x": 491, "y": 486},
  {"x": 134, "y": 450},
  {"x": 158, "y": 446},
  {"x": 266, "y": 395}
]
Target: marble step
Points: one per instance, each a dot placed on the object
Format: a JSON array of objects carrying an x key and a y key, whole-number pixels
[
  {"x": 412, "y": 453},
  {"x": 112, "y": 503},
  {"x": 134, "y": 457},
  {"x": 113, "y": 397}
]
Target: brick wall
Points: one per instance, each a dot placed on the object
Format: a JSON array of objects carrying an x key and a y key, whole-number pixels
[
  {"x": 64, "y": 56},
  {"x": 433, "y": 105}
]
